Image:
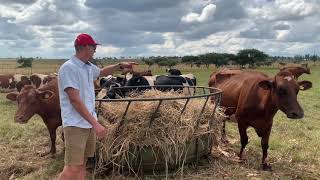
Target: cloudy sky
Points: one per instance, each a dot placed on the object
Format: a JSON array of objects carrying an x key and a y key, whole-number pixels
[{"x": 47, "y": 28}]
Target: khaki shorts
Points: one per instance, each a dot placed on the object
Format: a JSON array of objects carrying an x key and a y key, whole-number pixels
[{"x": 80, "y": 143}]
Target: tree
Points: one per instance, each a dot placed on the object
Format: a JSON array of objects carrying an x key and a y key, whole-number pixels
[
  {"x": 252, "y": 57},
  {"x": 314, "y": 58},
  {"x": 148, "y": 62},
  {"x": 190, "y": 60},
  {"x": 97, "y": 61},
  {"x": 25, "y": 62},
  {"x": 171, "y": 62}
]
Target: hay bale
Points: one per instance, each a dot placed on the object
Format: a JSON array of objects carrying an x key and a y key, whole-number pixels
[{"x": 168, "y": 138}]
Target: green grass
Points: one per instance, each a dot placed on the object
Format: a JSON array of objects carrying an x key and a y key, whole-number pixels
[{"x": 294, "y": 144}]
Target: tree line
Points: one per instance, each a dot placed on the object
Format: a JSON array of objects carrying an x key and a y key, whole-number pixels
[{"x": 244, "y": 58}]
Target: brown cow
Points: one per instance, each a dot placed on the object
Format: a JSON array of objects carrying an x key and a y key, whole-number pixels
[
  {"x": 254, "y": 98},
  {"x": 7, "y": 81},
  {"x": 44, "y": 102},
  {"x": 296, "y": 71}
]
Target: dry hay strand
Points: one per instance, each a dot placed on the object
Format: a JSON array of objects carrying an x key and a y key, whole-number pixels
[
  {"x": 166, "y": 136},
  {"x": 15, "y": 171}
]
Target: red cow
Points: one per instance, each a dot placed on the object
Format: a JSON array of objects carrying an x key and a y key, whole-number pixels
[
  {"x": 255, "y": 98},
  {"x": 7, "y": 81},
  {"x": 44, "y": 102}
]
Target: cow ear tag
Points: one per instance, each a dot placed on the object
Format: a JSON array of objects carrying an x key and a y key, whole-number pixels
[{"x": 46, "y": 94}]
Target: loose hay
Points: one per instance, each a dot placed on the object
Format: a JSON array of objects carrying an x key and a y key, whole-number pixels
[{"x": 169, "y": 136}]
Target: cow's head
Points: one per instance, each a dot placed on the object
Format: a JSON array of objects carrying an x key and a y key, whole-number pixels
[
  {"x": 284, "y": 91},
  {"x": 109, "y": 81},
  {"x": 307, "y": 70},
  {"x": 29, "y": 102},
  {"x": 175, "y": 72}
]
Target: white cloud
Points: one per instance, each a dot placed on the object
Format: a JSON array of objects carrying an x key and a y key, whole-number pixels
[
  {"x": 47, "y": 28},
  {"x": 206, "y": 14},
  {"x": 107, "y": 51}
]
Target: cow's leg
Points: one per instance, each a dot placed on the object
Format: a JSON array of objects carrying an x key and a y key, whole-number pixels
[
  {"x": 53, "y": 140},
  {"x": 243, "y": 138},
  {"x": 224, "y": 138},
  {"x": 265, "y": 146},
  {"x": 52, "y": 134}
]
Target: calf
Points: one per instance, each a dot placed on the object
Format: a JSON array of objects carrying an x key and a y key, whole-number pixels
[
  {"x": 254, "y": 98},
  {"x": 44, "y": 102}
]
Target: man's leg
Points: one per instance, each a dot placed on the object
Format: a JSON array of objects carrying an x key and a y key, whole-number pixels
[
  {"x": 83, "y": 171},
  {"x": 75, "y": 145},
  {"x": 70, "y": 172}
]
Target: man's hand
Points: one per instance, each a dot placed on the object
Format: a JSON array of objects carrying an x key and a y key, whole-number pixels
[{"x": 100, "y": 130}]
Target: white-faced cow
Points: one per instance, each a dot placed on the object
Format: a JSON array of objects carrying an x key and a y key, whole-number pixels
[
  {"x": 254, "y": 98},
  {"x": 44, "y": 102},
  {"x": 37, "y": 80},
  {"x": 20, "y": 81}
]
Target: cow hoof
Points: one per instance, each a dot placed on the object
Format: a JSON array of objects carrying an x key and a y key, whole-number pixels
[
  {"x": 43, "y": 154},
  {"x": 266, "y": 167},
  {"x": 242, "y": 159}
]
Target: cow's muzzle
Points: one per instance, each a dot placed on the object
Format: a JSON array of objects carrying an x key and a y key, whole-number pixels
[{"x": 295, "y": 115}]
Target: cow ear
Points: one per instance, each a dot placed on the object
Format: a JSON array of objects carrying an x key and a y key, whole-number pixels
[
  {"x": 266, "y": 84},
  {"x": 12, "y": 96},
  {"x": 46, "y": 95},
  {"x": 304, "y": 85}
]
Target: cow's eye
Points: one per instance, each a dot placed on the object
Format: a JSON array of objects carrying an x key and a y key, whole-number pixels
[{"x": 281, "y": 92}]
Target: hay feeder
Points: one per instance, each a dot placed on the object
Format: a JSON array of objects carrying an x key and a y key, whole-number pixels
[{"x": 156, "y": 131}]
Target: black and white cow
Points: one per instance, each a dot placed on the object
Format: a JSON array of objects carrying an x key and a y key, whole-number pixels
[
  {"x": 176, "y": 72},
  {"x": 163, "y": 80},
  {"x": 109, "y": 83}
]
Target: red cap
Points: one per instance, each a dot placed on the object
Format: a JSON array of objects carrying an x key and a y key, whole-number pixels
[{"x": 84, "y": 39}]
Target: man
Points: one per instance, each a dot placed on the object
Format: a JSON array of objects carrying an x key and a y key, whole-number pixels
[{"x": 77, "y": 101}]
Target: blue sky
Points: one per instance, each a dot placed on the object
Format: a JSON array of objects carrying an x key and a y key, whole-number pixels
[{"x": 47, "y": 28}]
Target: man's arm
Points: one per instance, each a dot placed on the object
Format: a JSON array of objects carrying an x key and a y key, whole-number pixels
[
  {"x": 76, "y": 102},
  {"x": 109, "y": 70}
]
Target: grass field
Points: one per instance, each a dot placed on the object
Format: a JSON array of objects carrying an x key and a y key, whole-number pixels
[{"x": 294, "y": 144}]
